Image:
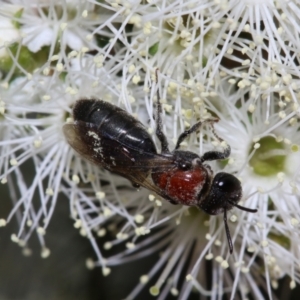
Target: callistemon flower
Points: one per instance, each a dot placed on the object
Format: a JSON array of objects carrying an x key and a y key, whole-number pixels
[{"x": 237, "y": 61}]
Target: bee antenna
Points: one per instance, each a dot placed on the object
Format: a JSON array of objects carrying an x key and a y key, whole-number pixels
[
  {"x": 228, "y": 232},
  {"x": 252, "y": 210},
  {"x": 226, "y": 224}
]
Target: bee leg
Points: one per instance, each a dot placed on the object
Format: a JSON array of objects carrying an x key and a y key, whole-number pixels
[
  {"x": 159, "y": 132},
  {"x": 194, "y": 128},
  {"x": 215, "y": 155}
]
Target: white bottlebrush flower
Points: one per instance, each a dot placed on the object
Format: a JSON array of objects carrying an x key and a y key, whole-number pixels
[
  {"x": 235, "y": 60},
  {"x": 61, "y": 21}
]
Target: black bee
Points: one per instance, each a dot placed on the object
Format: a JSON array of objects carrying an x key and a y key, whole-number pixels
[{"x": 109, "y": 137}]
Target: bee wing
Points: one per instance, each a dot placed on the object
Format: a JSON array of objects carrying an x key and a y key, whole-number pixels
[
  {"x": 110, "y": 154},
  {"x": 73, "y": 137}
]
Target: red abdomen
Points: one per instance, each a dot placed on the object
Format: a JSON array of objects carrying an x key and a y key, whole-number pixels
[{"x": 183, "y": 187}]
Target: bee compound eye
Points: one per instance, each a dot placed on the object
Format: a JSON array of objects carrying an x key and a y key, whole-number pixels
[{"x": 227, "y": 183}]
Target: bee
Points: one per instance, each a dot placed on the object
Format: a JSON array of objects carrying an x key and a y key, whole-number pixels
[{"x": 111, "y": 138}]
